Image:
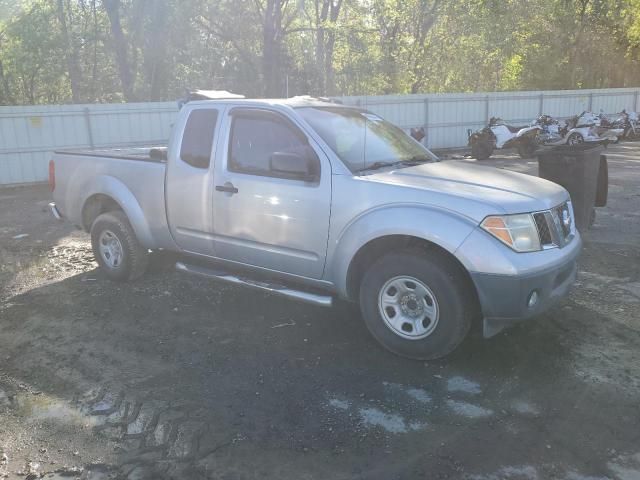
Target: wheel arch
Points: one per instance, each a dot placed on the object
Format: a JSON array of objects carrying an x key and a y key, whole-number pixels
[
  {"x": 391, "y": 229},
  {"x": 110, "y": 194},
  {"x": 376, "y": 248},
  {"x": 96, "y": 205}
]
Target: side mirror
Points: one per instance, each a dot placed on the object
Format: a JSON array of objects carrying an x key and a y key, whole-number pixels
[{"x": 298, "y": 165}]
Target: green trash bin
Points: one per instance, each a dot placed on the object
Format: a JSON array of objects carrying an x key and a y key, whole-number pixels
[{"x": 582, "y": 170}]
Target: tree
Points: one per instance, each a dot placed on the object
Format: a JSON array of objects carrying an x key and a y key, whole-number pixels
[
  {"x": 71, "y": 54},
  {"x": 112, "y": 7},
  {"x": 115, "y": 50}
]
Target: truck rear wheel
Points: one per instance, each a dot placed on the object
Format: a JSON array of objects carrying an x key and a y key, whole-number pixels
[
  {"x": 416, "y": 304},
  {"x": 116, "y": 247}
]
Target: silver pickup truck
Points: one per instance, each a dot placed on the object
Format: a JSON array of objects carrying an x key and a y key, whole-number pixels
[{"x": 314, "y": 200}]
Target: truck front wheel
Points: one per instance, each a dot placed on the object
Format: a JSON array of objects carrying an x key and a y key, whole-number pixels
[
  {"x": 116, "y": 247},
  {"x": 416, "y": 304},
  {"x": 481, "y": 150}
]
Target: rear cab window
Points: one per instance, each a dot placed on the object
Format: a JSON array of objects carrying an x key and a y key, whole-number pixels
[{"x": 197, "y": 140}]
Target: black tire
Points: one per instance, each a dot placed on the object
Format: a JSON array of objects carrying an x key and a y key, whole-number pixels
[
  {"x": 526, "y": 149},
  {"x": 481, "y": 150},
  {"x": 451, "y": 292},
  {"x": 135, "y": 258}
]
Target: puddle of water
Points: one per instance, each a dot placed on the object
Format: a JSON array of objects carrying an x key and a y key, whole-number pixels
[
  {"x": 626, "y": 467},
  {"x": 468, "y": 410},
  {"x": 88, "y": 474},
  {"x": 578, "y": 476},
  {"x": 43, "y": 407},
  {"x": 418, "y": 394},
  {"x": 339, "y": 404},
  {"x": 461, "y": 384},
  {"x": 522, "y": 472},
  {"x": 415, "y": 425},
  {"x": 390, "y": 422},
  {"x": 525, "y": 408}
]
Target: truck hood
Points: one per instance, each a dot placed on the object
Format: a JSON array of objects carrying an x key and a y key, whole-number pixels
[{"x": 500, "y": 191}]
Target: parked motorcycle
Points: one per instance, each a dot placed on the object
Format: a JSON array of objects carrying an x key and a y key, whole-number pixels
[
  {"x": 603, "y": 127},
  {"x": 499, "y": 135},
  {"x": 628, "y": 122},
  {"x": 551, "y": 130},
  {"x": 585, "y": 127}
]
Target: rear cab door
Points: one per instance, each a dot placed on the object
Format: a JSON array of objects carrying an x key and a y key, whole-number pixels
[
  {"x": 190, "y": 177},
  {"x": 261, "y": 217}
]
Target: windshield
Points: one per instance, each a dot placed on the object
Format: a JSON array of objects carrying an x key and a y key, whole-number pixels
[{"x": 363, "y": 140}]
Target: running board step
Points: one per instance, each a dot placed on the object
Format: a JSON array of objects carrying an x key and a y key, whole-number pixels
[{"x": 215, "y": 274}]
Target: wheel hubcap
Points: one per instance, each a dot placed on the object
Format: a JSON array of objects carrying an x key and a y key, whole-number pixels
[
  {"x": 575, "y": 140},
  {"x": 110, "y": 249},
  {"x": 408, "y": 307}
]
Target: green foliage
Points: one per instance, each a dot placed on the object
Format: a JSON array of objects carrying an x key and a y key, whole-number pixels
[{"x": 57, "y": 51}]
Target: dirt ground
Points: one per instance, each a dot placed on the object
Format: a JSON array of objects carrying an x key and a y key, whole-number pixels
[{"x": 178, "y": 377}]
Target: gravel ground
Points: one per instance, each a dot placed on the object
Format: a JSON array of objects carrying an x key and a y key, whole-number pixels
[{"x": 177, "y": 377}]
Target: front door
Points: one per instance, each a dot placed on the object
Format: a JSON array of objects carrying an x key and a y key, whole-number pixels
[{"x": 262, "y": 218}]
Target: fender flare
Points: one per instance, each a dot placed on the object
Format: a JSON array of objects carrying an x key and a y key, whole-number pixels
[
  {"x": 442, "y": 227},
  {"x": 120, "y": 193}
]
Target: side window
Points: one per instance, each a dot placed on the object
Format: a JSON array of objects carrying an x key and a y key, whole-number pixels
[
  {"x": 256, "y": 136},
  {"x": 197, "y": 139}
]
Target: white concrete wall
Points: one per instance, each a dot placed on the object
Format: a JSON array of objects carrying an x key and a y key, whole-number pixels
[{"x": 29, "y": 135}]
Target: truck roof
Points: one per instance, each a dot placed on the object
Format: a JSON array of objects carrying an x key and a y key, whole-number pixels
[{"x": 293, "y": 102}]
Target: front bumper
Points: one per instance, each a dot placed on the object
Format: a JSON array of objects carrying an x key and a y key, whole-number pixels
[{"x": 504, "y": 296}]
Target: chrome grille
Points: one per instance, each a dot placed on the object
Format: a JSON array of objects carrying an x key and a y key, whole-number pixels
[
  {"x": 564, "y": 216},
  {"x": 543, "y": 228},
  {"x": 555, "y": 226}
]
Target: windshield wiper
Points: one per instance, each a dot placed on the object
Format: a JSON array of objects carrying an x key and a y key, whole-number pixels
[
  {"x": 415, "y": 160},
  {"x": 376, "y": 166}
]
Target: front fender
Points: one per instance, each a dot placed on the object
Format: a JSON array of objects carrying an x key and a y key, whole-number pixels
[
  {"x": 445, "y": 228},
  {"x": 120, "y": 193},
  {"x": 528, "y": 131}
]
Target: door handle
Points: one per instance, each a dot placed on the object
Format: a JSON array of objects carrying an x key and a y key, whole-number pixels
[{"x": 227, "y": 187}]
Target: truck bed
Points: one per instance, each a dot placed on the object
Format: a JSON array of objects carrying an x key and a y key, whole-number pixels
[{"x": 132, "y": 177}]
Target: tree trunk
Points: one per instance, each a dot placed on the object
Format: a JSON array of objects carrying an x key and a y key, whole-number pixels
[
  {"x": 325, "y": 42},
  {"x": 272, "y": 49},
  {"x": 94, "y": 67},
  {"x": 426, "y": 19},
  {"x": 321, "y": 17},
  {"x": 154, "y": 60},
  {"x": 112, "y": 7},
  {"x": 6, "y": 98},
  {"x": 73, "y": 66},
  {"x": 5, "y": 91},
  {"x": 329, "y": 81}
]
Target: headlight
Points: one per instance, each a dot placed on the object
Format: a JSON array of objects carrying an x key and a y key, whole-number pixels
[{"x": 517, "y": 231}]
